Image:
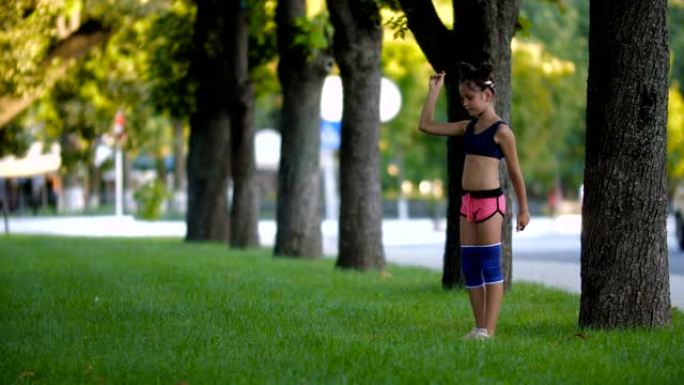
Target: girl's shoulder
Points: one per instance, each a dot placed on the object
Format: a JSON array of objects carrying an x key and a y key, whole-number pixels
[
  {"x": 463, "y": 126},
  {"x": 504, "y": 132},
  {"x": 504, "y": 126}
]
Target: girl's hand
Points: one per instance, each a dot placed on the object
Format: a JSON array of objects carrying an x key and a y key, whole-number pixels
[
  {"x": 523, "y": 220},
  {"x": 437, "y": 80}
]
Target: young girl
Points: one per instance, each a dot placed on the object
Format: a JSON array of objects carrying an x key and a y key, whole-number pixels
[{"x": 486, "y": 140}]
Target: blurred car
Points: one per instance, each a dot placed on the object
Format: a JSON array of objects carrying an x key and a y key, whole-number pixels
[{"x": 678, "y": 209}]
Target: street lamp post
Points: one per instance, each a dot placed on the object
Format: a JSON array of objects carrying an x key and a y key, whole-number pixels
[{"x": 118, "y": 133}]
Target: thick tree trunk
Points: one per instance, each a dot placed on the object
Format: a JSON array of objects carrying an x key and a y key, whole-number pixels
[
  {"x": 501, "y": 18},
  {"x": 452, "y": 275},
  {"x": 212, "y": 68},
  {"x": 245, "y": 205},
  {"x": 179, "y": 188},
  {"x": 299, "y": 197},
  {"x": 245, "y": 208},
  {"x": 625, "y": 279},
  {"x": 357, "y": 45},
  {"x": 482, "y": 33}
]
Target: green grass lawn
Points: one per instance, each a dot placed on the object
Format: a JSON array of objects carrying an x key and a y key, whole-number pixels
[{"x": 153, "y": 311}]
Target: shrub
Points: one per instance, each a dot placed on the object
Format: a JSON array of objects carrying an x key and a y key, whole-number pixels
[{"x": 150, "y": 199}]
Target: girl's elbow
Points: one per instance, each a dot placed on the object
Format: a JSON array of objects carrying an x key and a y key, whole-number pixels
[{"x": 515, "y": 174}]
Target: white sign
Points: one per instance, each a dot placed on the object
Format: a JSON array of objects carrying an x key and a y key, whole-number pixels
[
  {"x": 332, "y": 99},
  {"x": 267, "y": 149}
]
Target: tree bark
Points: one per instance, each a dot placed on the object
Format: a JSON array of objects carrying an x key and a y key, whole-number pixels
[
  {"x": 301, "y": 75},
  {"x": 213, "y": 70},
  {"x": 245, "y": 208},
  {"x": 482, "y": 33},
  {"x": 357, "y": 46},
  {"x": 245, "y": 205},
  {"x": 501, "y": 17},
  {"x": 179, "y": 193},
  {"x": 625, "y": 279}
]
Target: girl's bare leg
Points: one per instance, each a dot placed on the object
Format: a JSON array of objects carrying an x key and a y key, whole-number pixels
[
  {"x": 478, "y": 304},
  {"x": 489, "y": 233},
  {"x": 477, "y": 295},
  {"x": 494, "y": 297}
]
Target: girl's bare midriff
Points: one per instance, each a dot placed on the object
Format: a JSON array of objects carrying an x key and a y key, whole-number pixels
[{"x": 480, "y": 173}]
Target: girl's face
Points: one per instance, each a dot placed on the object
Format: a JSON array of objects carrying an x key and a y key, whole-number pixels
[{"x": 474, "y": 100}]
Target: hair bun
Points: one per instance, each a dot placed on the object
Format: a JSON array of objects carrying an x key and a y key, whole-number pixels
[
  {"x": 481, "y": 75},
  {"x": 485, "y": 71}
]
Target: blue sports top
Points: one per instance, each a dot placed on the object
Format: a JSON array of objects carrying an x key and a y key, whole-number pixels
[{"x": 483, "y": 143}]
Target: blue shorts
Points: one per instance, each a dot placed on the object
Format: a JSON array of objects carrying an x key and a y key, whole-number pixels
[{"x": 481, "y": 265}]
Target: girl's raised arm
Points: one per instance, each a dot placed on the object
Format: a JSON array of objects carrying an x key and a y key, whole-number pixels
[{"x": 427, "y": 123}]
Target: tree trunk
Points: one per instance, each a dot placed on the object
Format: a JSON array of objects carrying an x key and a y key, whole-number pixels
[
  {"x": 94, "y": 179},
  {"x": 625, "y": 279},
  {"x": 245, "y": 206},
  {"x": 482, "y": 33},
  {"x": 160, "y": 168},
  {"x": 179, "y": 193},
  {"x": 498, "y": 51},
  {"x": 212, "y": 68},
  {"x": 299, "y": 198},
  {"x": 357, "y": 46}
]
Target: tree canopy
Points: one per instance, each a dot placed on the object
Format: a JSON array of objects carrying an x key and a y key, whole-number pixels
[{"x": 132, "y": 55}]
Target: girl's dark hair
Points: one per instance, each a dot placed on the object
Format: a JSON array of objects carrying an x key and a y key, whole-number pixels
[{"x": 480, "y": 76}]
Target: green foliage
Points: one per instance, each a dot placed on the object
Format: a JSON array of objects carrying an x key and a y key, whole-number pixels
[
  {"x": 155, "y": 137},
  {"x": 548, "y": 101},
  {"x": 121, "y": 12},
  {"x": 262, "y": 57},
  {"x": 408, "y": 154},
  {"x": 80, "y": 106},
  {"x": 14, "y": 139},
  {"x": 70, "y": 118},
  {"x": 563, "y": 31},
  {"x": 168, "y": 48},
  {"x": 549, "y": 72},
  {"x": 150, "y": 198},
  {"x": 267, "y": 96},
  {"x": 675, "y": 135},
  {"x": 522, "y": 26},
  {"x": 393, "y": 5},
  {"x": 27, "y": 30},
  {"x": 676, "y": 34},
  {"x": 550, "y": 137},
  {"x": 398, "y": 25},
  {"x": 313, "y": 33},
  {"x": 561, "y": 4},
  {"x": 263, "y": 43},
  {"x": 149, "y": 311},
  {"x": 142, "y": 70}
]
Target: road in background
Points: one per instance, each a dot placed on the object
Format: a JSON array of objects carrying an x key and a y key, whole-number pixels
[{"x": 547, "y": 252}]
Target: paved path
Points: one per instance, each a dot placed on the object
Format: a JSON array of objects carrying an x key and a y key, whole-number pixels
[{"x": 415, "y": 242}]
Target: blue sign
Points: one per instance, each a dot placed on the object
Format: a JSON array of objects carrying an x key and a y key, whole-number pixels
[{"x": 330, "y": 135}]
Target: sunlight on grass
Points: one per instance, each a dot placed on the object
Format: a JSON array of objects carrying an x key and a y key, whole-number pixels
[{"x": 161, "y": 311}]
